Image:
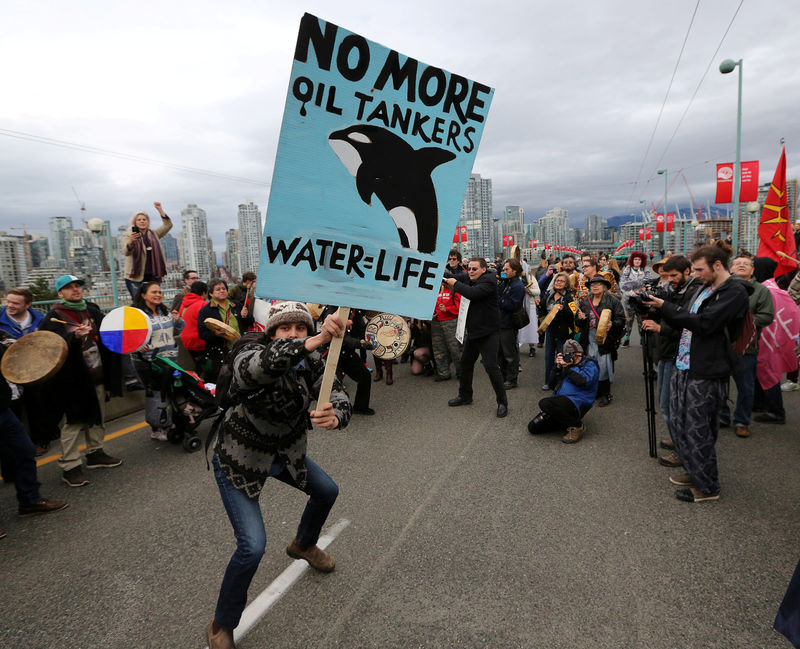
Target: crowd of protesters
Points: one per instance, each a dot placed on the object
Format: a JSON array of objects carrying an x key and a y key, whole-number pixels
[{"x": 693, "y": 312}]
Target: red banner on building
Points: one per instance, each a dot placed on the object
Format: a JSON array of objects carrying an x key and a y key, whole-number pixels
[
  {"x": 641, "y": 234},
  {"x": 463, "y": 233},
  {"x": 659, "y": 222},
  {"x": 748, "y": 189},
  {"x": 775, "y": 229},
  {"x": 670, "y": 221}
]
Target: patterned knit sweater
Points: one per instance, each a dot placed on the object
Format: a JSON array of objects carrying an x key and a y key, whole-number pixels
[{"x": 273, "y": 385}]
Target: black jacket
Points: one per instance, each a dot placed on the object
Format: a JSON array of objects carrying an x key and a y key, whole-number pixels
[
  {"x": 510, "y": 296},
  {"x": 615, "y": 332},
  {"x": 718, "y": 321},
  {"x": 483, "y": 317},
  {"x": 71, "y": 391},
  {"x": 212, "y": 311},
  {"x": 669, "y": 337},
  {"x": 563, "y": 325}
]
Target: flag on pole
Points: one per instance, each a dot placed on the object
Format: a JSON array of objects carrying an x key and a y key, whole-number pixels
[{"x": 774, "y": 229}]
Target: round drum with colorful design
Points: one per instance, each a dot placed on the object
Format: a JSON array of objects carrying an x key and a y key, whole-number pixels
[{"x": 125, "y": 329}]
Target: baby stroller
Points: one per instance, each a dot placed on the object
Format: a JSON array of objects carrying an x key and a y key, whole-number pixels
[{"x": 191, "y": 402}]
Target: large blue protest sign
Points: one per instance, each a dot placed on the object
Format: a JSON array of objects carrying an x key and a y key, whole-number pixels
[{"x": 373, "y": 160}]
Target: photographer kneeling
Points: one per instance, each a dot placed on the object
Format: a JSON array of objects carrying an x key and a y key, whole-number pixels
[{"x": 575, "y": 392}]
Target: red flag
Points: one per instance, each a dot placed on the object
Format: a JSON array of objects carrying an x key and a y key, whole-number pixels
[
  {"x": 464, "y": 233},
  {"x": 649, "y": 234},
  {"x": 505, "y": 240},
  {"x": 659, "y": 222},
  {"x": 724, "y": 183},
  {"x": 774, "y": 229},
  {"x": 749, "y": 188},
  {"x": 641, "y": 234},
  {"x": 670, "y": 221},
  {"x": 530, "y": 243},
  {"x": 510, "y": 239},
  {"x": 455, "y": 236}
]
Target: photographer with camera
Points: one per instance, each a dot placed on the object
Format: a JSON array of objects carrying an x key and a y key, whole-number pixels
[
  {"x": 144, "y": 258},
  {"x": 573, "y": 397},
  {"x": 705, "y": 361},
  {"x": 683, "y": 286},
  {"x": 605, "y": 352},
  {"x": 633, "y": 279}
]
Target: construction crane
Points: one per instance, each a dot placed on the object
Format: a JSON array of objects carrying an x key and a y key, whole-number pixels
[
  {"x": 82, "y": 206},
  {"x": 28, "y": 255}
]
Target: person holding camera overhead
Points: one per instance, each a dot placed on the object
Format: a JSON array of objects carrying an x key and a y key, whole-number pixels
[
  {"x": 144, "y": 258},
  {"x": 591, "y": 308},
  {"x": 631, "y": 282}
]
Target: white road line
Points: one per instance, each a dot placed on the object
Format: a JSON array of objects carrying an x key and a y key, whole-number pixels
[{"x": 261, "y": 604}]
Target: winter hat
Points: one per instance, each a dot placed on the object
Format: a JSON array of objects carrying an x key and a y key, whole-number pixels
[
  {"x": 572, "y": 346},
  {"x": 764, "y": 268},
  {"x": 286, "y": 313}
]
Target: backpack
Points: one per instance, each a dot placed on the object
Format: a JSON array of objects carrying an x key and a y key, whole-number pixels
[{"x": 747, "y": 336}]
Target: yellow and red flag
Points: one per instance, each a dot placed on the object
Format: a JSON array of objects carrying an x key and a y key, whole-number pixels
[{"x": 775, "y": 229}]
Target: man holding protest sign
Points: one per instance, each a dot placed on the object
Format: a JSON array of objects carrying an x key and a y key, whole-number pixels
[
  {"x": 263, "y": 434},
  {"x": 483, "y": 333}
]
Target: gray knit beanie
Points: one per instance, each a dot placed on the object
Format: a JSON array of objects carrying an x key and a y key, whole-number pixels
[{"x": 286, "y": 313}]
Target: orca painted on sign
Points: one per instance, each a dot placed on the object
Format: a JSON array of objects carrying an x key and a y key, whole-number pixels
[{"x": 387, "y": 166}]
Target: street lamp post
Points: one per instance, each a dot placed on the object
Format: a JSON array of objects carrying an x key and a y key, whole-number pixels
[
  {"x": 662, "y": 234},
  {"x": 726, "y": 67}
]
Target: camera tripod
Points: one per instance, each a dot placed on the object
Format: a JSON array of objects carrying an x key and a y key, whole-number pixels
[{"x": 650, "y": 377}]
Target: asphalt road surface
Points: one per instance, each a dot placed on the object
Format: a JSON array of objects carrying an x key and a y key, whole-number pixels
[{"x": 464, "y": 531}]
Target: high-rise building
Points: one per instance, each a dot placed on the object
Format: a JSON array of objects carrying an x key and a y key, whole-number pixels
[
  {"x": 249, "y": 236},
  {"x": 13, "y": 264},
  {"x": 40, "y": 250},
  {"x": 595, "y": 225},
  {"x": 476, "y": 215},
  {"x": 169, "y": 245},
  {"x": 212, "y": 259},
  {"x": 195, "y": 241},
  {"x": 233, "y": 255},
  {"x": 553, "y": 227},
  {"x": 60, "y": 235}
]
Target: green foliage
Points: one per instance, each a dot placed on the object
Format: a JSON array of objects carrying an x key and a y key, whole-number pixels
[{"x": 41, "y": 291}]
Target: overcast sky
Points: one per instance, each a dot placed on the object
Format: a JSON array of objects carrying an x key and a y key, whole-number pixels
[{"x": 578, "y": 90}]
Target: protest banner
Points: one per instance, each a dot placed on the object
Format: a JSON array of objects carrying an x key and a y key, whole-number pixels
[{"x": 373, "y": 160}]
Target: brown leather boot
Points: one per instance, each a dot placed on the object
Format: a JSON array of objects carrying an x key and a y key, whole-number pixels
[
  {"x": 378, "y": 370},
  {"x": 316, "y": 558},
  {"x": 219, "y": 638},
  {"x": 389, "y": 377}
]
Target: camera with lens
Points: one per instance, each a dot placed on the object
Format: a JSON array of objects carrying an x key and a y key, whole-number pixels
[
  {"x": 651, "y": 289},
  {"x": 568, "y": 357},
  {"x": 447, "y": 273}
]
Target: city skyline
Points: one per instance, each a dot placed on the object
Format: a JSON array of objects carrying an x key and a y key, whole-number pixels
[{"x": 585, "y": 111}]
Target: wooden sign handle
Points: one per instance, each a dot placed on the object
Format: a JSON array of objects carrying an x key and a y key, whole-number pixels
[
  {"x": 785, "y": 256},
  {"x": 332, "y": 361}
]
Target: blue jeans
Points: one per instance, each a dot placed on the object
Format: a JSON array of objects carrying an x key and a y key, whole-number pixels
[
  {"x": 552, "y": 347},
  {"x": 251, "y": 537},
  {"x": 745, "y": 378},
  {"x": 18, "y": 450},
  {"x": 665, "y": 370},
  {"x": 133, "y": 287}
]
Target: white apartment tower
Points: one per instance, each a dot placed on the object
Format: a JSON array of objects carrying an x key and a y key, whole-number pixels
[
  {"x": 553, "y": 227},
  {"x": 249, "y": 236},
  {"x": 60, "y": 235},
  {"x": 233, "y": 253},
  {"x": 195, "y": 241},
  {"x": 13, "y": 264},
  {"x": 476, "y": 215}
]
